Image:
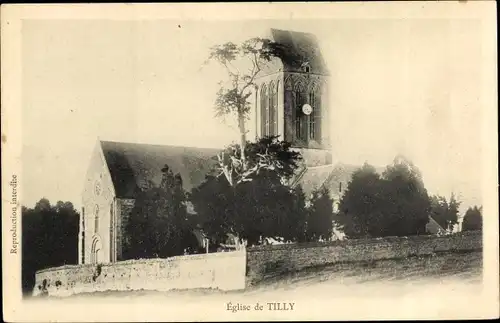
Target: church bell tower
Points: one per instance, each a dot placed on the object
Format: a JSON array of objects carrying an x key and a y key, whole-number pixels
[{"x": 292, "y": 97}]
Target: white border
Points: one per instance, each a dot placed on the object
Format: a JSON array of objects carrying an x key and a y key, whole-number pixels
[{"x": 325, "y": 308}]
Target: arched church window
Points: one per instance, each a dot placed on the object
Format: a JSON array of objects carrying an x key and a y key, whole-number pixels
[
  {"x": 311, "y": 116},
  {"x": 315, "y": 116},
  {"x": 96, "y": 218},
  {"x": 299, "y": 116},
  {"x": 273, "y": 108},
  {"x": 264, "y": 110}
]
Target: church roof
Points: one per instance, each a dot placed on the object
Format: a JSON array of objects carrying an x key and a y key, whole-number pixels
[
  {"x": 298, "y": 48},
  {"x": 335, "y": 177},
  {"x": 133, "y": 165}
]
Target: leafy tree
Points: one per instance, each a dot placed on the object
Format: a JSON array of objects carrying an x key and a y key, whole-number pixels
[
  {"x": 294, "y": 229},
  {"x": 249, "y": 211},
  {"x": 453, "y": 210},
  {"x": 445, "y": 213},
  {"x": 258, "y": 206},
  {"x": 49, "y": 238},
  {"x": 359, "y": 207},
  {"x": 252, "y": 211},
  {"x": 394, "y": 204},
  {"x": 262, "y": 207},
  {"x": 344, "y": 223},
  {"x": 43, "y": 205},
  {"x": 405, "y": 202},
  {"x": 157, "y": 226},
  {"x": 320, "y": 216},
  {"x": 243, "y": 63},
  {"x": 473, "y": 219},
  {"x": 439, "y": 209},
  {"x": 213, "y": 202}
]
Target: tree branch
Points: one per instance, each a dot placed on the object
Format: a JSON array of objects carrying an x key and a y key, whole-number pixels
[
  {"x": 224, "y": 169},
  {"x": 255, "y": 61}
]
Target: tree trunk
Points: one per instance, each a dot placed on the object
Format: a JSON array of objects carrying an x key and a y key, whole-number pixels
[{"x": 243, "y": 138}]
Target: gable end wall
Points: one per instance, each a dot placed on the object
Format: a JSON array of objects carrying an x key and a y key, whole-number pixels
[{"x": 97, "y": 172}]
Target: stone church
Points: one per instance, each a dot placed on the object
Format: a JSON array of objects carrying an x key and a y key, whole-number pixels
[
  {"x": 291, "y": 101},
  {"x": 116, "y": 174}
]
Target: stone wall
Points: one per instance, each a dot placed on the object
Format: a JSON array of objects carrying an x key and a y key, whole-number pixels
[
  {"x": 269, "y": 261},
  {"x": 124, "y": 208},
  {"x": 235, "y": 270},
  {"x": 225, "y": 271},
  {"x": 97, "y": 199}
]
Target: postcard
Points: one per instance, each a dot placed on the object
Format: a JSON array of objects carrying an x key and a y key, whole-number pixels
[{"x": 249, "y": 161}]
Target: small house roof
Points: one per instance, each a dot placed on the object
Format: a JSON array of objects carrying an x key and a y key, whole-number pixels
[{"x": 433, "y": 227}]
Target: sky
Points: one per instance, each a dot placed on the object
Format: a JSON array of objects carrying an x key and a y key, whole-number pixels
[{"x": 407, "y": 86}]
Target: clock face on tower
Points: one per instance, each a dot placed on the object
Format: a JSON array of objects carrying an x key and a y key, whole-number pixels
[{"x": 307, "y": 109}]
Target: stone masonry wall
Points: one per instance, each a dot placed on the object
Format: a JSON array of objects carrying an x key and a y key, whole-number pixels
[
  {"x": 123, "y": 208},
  {"x": 225, "y": 271},
  {"x": 97, "y": 199},
  {"x": 235, "y": 270},
  {"x": 269, "y": 261}
]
